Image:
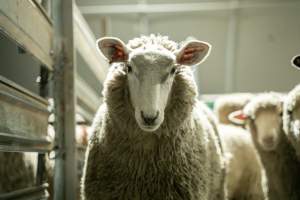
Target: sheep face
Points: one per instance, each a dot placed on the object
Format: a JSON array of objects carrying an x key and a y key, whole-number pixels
[
  {"x": 150, "y": 73},
  {"x": 268, "y": 123}
]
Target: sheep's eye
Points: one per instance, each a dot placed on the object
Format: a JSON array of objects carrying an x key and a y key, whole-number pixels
[
  {"x": 173, "y": 70},
  {"x": 280, "y": 114},
  {"x": 129, "y": 69}
]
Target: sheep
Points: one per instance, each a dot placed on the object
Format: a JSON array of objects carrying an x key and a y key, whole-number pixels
[
  {"x": 17, "y": 171},
  {"x": 264, "y": 120},
  {"x": 245, "y": 175},
  {"x": 151, "y": 137},
  {"x": 226, "y": 104},
  {"x": 291, "y": 118}
]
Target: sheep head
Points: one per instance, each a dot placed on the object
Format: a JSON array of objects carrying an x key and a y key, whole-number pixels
[
  {"x": 268, "y": 123},
  {"x": 291, "y": 114},
  {"x": 151, "y": 65},
  {"x": 263, "y": 116}
]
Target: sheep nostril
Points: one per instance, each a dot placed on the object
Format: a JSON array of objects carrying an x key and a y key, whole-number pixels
[{"x": 149, "y": 120}]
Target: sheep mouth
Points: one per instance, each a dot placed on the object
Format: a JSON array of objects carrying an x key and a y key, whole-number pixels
[
  {"x": 149, "y": 128},
  {"x": 269, "y": 146}
]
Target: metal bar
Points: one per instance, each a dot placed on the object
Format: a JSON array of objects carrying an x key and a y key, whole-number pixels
[
  {"x": 16, "y": 143},
  {"x": 40, "y": 173},
  {"x": 32, "y": 193},
  {"x": 24, "y": 118},
  {"x": 85, "y": 113},
  {"x": 34, "y": 35},
  {"x": 22, "y": 90},
  {"x": 45, "y": 9},
  {"x": 143, "y": 20},
  {"x": 44, "y": 90},
  {"x": 65, "y": 176},
  {"x": 84, "y": 90},
  {"x": 230, "y": 59},
  {"x": 143, "y": 24},
  {"x": 85, "y": 43},
  {"x": 153, "y": 8},
  {"x": 179, "y": 7}
]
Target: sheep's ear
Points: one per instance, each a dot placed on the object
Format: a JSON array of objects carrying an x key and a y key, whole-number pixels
[
  {"x": 296, "y": 61},
  {"x": 193, "y": 52},
  {"x": 238, "y": 117},
  {"x": 113, "y": 49}
]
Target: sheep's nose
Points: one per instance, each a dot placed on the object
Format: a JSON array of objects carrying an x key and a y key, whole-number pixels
[
  {"x": 269, "y": 140},
  {"x": 149, "y": 120}
]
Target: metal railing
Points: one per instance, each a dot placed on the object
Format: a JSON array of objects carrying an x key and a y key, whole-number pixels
[{"x": 24, "y": 115}]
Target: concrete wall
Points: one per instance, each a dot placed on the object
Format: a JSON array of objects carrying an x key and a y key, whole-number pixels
[{"x": 268, "y": 38}]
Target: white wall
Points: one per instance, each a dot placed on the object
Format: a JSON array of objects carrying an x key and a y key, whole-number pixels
[{"x": 268, "y": 39}]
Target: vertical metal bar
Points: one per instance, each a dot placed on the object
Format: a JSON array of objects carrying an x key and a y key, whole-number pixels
[
  {"x": 108, "y": 25},
  {"x": 44, "y": 92},
  {"x": 143, "y": 20},
  {"x": 40, "y": 178},
  {"x": 65, "y": 178},
  {"x": 43, "y": 82},
  {"x": 143, "y": 24},
  {"x": 230, "y": 59}
]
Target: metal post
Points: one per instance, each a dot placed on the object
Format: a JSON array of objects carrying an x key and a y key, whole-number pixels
[
  {"x": 230, "y": 59},
  {"x": 143, "y": 20},
  {"x": 65, "y": 179},
  {"x": 44, "y": 89},
  {"x": 143, "y": 24}
]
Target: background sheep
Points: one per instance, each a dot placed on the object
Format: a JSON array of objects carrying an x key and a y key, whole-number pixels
[
  {"x": 291, "y": 118},
  {"x": 277, "y": 155},
  {"x": 144, "y": 149},
  {"x": 226, "y": 104},
  {"x": 17, "y": 171},
  {"x": 244, "y": 180}
]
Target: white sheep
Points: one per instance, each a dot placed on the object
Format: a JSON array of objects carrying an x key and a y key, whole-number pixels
[
  {"x": 245, "y": 175},
  {"x": 226, "y": 104},
  {"x": 152, "y": 138},
  {"x": 291, "y": 118},
  {"x": 278, "y": 157}
]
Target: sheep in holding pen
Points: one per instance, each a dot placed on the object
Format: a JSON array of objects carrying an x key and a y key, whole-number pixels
[
  {"x": 264, "y": 120},
  {"x": 291, "y": 118},
  {"x": 245, "y": 176},
  {"x": 226, "y": 104},
  {"x": 151, "y": 138}
]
